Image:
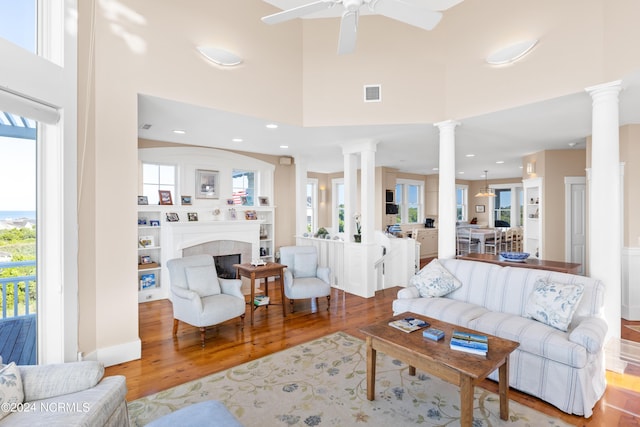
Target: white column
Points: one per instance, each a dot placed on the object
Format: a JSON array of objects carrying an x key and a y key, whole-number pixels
[
  {"x": 350, "y": 193},
  {"x": 447, "y": 190},
  {"x": 301, "y": 195},
  {"x": 605, "y": 210},
  {"x": 368, "y": 191}
]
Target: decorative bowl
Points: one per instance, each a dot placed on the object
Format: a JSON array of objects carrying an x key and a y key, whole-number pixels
[{"x": 514, "y": 256}]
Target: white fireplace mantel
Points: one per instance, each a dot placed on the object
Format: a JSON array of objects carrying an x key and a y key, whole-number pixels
[{"x": 181, "y": 235}]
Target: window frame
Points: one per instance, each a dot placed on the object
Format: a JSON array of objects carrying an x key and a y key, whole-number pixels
[
  {"x": 464, "y": 207},
  {"x": 160, "y": 185},
  {"x": 404, "y": 206},
  {"x": 313, "y": 224},
  {"x": 517, "y": 192},
  {"x": 335, "y": 207},
  {"x": 256, "y": 177}
]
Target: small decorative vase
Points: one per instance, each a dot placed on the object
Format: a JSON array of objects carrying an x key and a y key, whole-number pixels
[{"x": 357, "y": 238}]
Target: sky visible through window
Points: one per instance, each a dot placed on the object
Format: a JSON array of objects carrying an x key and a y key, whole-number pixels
[{"x": 18, "y": 156}]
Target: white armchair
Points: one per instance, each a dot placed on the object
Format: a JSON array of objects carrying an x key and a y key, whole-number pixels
[
  {"x": 303, "y": 278},
  {"x": 199, "y": 297}
]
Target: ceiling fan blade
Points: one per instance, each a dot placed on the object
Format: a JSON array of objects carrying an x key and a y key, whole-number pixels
[
  {"x": 408, "y": 12},
  {"x": 298, "y": 12},
  {"x": 348, "y": 30}
]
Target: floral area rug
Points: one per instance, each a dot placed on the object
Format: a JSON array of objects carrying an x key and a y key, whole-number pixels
[{"x": 323, "y": 383}]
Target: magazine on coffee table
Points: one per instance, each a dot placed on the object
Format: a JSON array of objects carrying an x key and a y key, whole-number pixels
[{"x": 409, "y": 324}]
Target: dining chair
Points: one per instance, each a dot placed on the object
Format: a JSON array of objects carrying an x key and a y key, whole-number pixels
[
  {"x": 465, "y": 242},
  {"x": 492, "y": 242}
]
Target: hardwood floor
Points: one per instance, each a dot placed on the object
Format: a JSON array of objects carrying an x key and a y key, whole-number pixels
[{"x": 167, "y": 362}]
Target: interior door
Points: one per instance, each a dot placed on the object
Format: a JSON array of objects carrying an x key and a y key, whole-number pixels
[{"x": 575, "y": 221}]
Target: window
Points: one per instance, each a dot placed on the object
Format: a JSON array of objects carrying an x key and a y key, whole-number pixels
[
  {"x": 409, "y": 197},
  {"x": 338, "y": 205},
  {"x": 312, "y": 205},
  {"x": 158, "y": 177},
  {"x": 507, "y": 205},
  {"x": 18, "y": 23},
  {"x": 502, "y": 209},
  {"x": 244, "y": 187},
  {"x": 462, "y": 212}
]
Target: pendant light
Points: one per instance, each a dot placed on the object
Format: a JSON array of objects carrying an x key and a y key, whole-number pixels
[{"x": 486, "y": 191}]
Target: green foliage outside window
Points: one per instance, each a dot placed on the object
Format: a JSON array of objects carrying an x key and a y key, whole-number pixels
[{"x": 20, "y": 243}]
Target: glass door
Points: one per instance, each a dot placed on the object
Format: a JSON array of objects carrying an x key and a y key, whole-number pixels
[{"x": 18, "y": 279}]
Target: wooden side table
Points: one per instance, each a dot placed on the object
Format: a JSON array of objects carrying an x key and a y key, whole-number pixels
[{"x": 253, "y": 272}]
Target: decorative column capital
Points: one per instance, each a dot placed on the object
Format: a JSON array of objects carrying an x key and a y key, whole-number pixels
[
  {"x": 610, "y": 89},
  {"x": 447, "y": 125}
]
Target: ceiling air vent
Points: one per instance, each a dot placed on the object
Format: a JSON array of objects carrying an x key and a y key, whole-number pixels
[
  {"x": 372, "y": 93},
  {"x": 145, "y": 126}
]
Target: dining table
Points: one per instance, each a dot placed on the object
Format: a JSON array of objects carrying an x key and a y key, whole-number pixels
[{"x": 482, "y": 234}]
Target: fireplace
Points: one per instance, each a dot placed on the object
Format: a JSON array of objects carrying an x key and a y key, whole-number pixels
[{"x": 224, "y": 265}]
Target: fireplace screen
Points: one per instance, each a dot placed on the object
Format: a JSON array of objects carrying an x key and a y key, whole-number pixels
[{"x": 224, "y": 265}]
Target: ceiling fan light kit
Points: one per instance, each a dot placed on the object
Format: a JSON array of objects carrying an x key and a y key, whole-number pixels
[{"x": 424, "y": 14}]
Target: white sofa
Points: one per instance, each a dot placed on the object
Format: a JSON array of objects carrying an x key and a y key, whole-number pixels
[
  {"x": 565, "y": 369},
  {"x": 67, "y": 394}
]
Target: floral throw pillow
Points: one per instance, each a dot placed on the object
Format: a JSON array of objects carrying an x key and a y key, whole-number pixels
[
  {"x": 434, "y": 280},
  {"x": 10, "y": 388},
  {"x": 554, "y": 303}
]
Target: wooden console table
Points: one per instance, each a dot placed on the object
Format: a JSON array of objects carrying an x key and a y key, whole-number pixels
[
  {"x": 253, "y": 272},
  {"x": 540, "y": 264}
]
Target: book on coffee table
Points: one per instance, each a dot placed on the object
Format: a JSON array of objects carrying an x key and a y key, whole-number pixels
[
  {"x": 409, "y": 324},
  {"x": 469, "y": 342}
]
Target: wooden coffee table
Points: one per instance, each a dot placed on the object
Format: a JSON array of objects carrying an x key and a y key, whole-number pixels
[{"x": 435, "y": 357}]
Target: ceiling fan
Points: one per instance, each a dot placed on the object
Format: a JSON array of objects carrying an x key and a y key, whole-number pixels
[{"x": 423, "y": 14}]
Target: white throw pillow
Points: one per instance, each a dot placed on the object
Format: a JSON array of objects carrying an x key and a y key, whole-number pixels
[
  {"x": 305, "y": 265},
  {"x": 554, "y": 303},
  {"x": 11, "y": 392},
  {"x": 434, "y": 280},
  {"x": 203, "y": 280}
]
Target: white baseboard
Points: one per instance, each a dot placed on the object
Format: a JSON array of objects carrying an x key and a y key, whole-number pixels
[
  {"x": 630, "y": 309},
  {"x": 116, "y": 354}
]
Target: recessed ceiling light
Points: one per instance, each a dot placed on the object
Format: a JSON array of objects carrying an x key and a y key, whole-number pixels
[
  {"x": 179, "y": 131},
  {"x": 460, "y": 173},
  {"x": 237, "y": 140},
  {"x": 470, "y": 155},
  {"x": 435, "y": 169},
  {"x": 272, "y": 126},
  {"x": 284, "y": 146},
  {"x": 500, "y": 162}
]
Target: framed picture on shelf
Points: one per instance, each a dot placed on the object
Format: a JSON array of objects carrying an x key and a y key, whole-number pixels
[
  {"x": 207, "y": 184},
  {"x": 192, "y": 216},
  {"x": 142, "y": 200},
  {"x": 479, "y": 208},
  {"x": 250, "y": 215},
  {"x": 263, "y": 200},
  {"x": 232, "y": 213},
  {"x": 148, "y": 281},
  {"x": 230, "y": 202},
  {"x": 142, "y": 220},
  {"x": 185, "y": 200},
  {"x": 154, "y": 223},
  {"x": 146, "y": 241},
  {"x": 172, "y": 217},
  {"x": 145, "y": 259},
  {"x": 165, "y": 197}
]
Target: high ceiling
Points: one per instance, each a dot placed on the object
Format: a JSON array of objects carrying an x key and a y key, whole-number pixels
[
  {"x": 495, "y": 142},
  {"x": 504, "y": 136}
]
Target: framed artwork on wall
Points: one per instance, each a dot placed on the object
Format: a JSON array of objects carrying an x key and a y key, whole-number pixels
[
  {"x": 479, "y": 208},
  {"x": 207, "y": 183}
]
